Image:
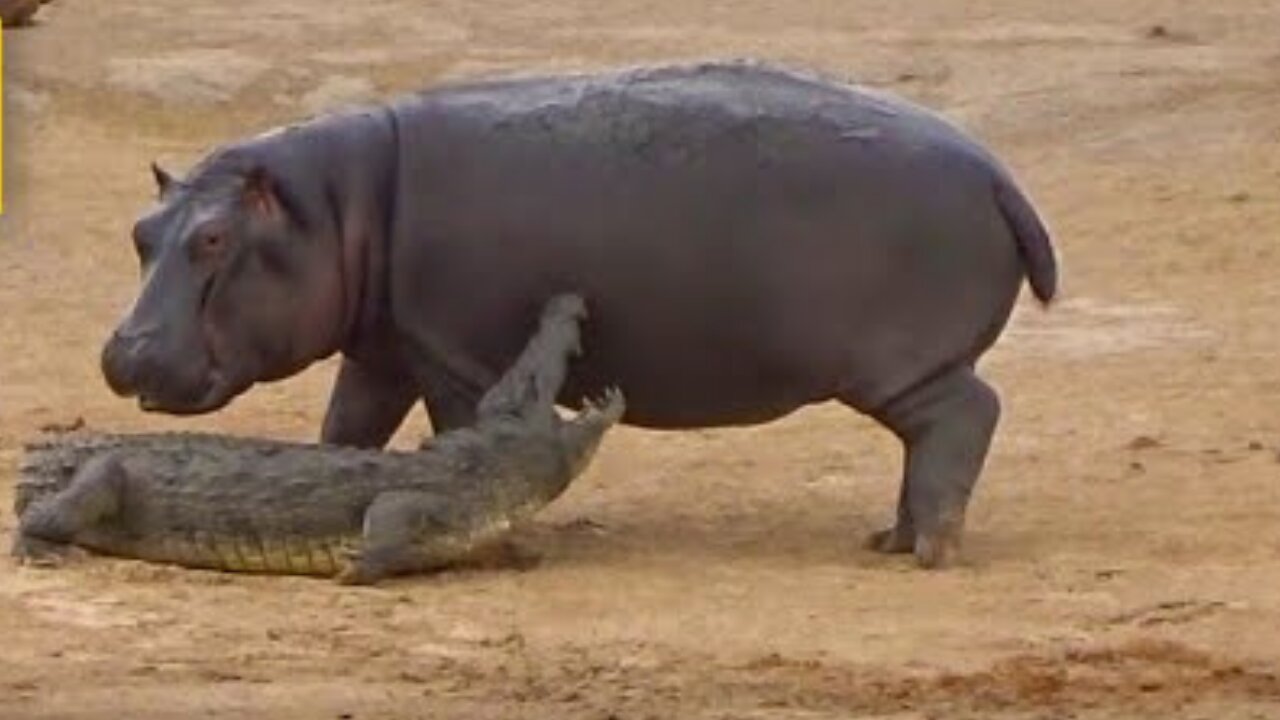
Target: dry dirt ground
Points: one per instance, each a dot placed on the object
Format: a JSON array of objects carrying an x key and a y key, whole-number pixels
[{"x": 1124, "y": 556}]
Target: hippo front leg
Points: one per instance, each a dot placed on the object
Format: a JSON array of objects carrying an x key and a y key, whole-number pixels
[
  {"x": 449, "y": 405},
  {"x": 946, "y": 426},
  {"x": 367, "y": 405}
]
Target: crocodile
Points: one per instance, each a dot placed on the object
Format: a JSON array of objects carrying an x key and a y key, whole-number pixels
[{"x": 244, "y": 504}]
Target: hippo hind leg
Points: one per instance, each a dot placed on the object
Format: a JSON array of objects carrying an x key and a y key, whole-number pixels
[{"x": 946, "y": 425}]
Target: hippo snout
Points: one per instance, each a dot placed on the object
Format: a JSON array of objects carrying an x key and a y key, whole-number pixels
[
  {"x": 124, "y": 363},
  {"x": 139, "y": 366}
]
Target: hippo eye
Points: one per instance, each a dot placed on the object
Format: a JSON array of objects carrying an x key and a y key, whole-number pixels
[{"x": 209, "y": 243}]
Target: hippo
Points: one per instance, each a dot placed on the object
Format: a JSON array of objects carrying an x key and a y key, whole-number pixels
[{"x": 750, "y": 239}]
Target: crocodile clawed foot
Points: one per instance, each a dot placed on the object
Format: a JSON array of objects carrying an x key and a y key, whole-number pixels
[
  {"x": 507, "y": 554},
  {"x": 348, "y": 566},
  {"x": 352, "y": 574},
  {"x": 610, "y": 404},
  {"x": 352, "y": 569},
  {"x": 359, "y": 572},
  {"x": 34, "y": 552}
]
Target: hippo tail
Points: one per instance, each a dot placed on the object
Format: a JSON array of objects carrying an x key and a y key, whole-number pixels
[{"x": 1034, "y": 245}]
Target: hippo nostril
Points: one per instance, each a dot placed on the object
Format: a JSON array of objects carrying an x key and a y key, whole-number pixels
[
  {"x": 121, "y": 362},
  {"x": 133, "y": 337}
]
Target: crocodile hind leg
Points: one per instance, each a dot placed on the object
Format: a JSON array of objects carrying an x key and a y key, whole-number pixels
[
  {"x": 48, "y": 527},
  {"x": 946, "y": 426},
  {"x": 395, "y": 524}
]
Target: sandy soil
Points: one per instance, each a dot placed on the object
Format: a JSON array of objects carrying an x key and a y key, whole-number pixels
[{"x": 1124, "y": 556}]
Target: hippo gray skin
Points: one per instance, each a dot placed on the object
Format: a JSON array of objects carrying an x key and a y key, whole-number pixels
[{"x": 750, "y": 240}]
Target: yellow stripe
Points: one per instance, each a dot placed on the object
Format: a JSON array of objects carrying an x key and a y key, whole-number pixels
[{"x": 1, "y": 117}]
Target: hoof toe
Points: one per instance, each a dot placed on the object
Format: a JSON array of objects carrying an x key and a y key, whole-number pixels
[
  {"x": 937, "y": 552},
  {"x": 890, "y": 542}
]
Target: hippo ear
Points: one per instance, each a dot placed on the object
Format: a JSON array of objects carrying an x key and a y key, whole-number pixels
[
  {"x": 164, "y": 180},
  {"x": 261, "y": 194}
]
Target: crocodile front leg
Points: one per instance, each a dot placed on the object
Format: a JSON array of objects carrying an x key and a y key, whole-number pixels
[
  {"x": 395, "y": 524},
  {"x": 48, "y": 526}
]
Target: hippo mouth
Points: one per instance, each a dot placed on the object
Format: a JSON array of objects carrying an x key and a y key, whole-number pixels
[
  {"x": 217, "y": 392},
  {"x": 143, "y": 377}
]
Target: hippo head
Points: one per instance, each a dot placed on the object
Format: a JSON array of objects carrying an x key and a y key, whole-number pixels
[{"x": 238, "y": 286}]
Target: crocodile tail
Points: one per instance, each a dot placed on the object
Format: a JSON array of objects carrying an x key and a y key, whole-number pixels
[{"x": 1034, "y": 245}]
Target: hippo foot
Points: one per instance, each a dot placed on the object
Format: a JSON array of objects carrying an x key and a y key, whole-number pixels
[
  {"x": 938, "y": 551},
  {"x": 34, "y": 552},
  {"x": 940, "y": 548},
  {"x": 933, "y": 551},
  {"x": 892, "y": 541}
]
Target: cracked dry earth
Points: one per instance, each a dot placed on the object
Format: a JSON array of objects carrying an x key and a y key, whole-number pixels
[{"x": 1124, "y": 556}]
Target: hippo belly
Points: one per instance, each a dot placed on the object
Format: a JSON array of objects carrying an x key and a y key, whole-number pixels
[{"x": 740, "y": 259}]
